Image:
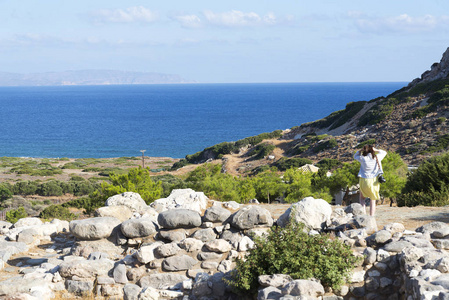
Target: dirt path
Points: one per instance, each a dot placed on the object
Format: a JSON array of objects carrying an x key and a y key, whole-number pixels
[{"x": 410, "y": 217}]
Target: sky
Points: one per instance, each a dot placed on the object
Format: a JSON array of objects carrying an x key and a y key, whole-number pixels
[{"x": 228, "y": 41}]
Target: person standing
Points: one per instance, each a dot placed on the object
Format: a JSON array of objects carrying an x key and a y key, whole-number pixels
[{"x": 369, "y": 158}]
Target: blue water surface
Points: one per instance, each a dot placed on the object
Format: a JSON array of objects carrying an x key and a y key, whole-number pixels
[{"x": 165, "y": 120}]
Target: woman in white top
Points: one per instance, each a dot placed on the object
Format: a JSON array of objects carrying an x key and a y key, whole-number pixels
[{"x": 369, "y": 170}]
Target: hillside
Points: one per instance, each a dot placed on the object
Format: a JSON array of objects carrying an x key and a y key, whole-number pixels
[
  {"x": 88, "y": 77},
  {"x": 411, "y": 121}
]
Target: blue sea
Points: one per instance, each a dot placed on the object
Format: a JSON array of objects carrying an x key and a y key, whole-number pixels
[{"x": 166, "y": 120}]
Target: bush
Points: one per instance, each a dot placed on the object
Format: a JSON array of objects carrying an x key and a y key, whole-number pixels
[
  {"x": 287, "y": 163},
  {"x": 262, "y": 150},
  {"x": 429, "y": 184},
  {"x": 137, "y": 180},
  {"x": 50, "y": 188},
  {"x": 217, "y": 151},
  {"x": 179, "y": 164},
  {"x": 5, "y": 192},
  {"x": 328, "y": 164},
  {"x": 14, "y": 215},
  {"x": 332, "y": 143},
  {"x": 57, "y": 212},
  {"x": 291, "y": 251}
]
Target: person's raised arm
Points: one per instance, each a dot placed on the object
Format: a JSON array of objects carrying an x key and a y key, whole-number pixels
[{"x": 380, "y": 153}]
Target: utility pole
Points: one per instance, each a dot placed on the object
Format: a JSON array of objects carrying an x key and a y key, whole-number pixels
[{"x": 143, "y": 159}]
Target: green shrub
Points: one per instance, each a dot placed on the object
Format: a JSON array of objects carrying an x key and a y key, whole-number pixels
[
  {"x": 441, "y": 120},
  {"x": 287, "y": 163},
  {"x": 299, "y": 149},
  {"x": 428, "y": 184},
  {"x": 50, "y": 188},
  {"x": 441, "y": 143},
  {"x": 217, "y": 151},
  {"x": 14, "y": 215},
  {"x": 328, "y": 164},
  {"x": 25, "y": 188},
  {"x": 338, "y": 118},
  {"x": 137, "y": 180},
  {"x": 379, "y": 112},
  {"x": 262, "y": 150},
  {"x": 5, "y": 192},
  {"x": 179, "y": 164},
  {"x": 293, "y": 252},
  {"x": 57, "y": 212},
  {"x": 329, "y": 144}
]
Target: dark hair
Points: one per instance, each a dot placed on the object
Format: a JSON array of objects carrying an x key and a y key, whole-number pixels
[{"x": 368, "y": 149}]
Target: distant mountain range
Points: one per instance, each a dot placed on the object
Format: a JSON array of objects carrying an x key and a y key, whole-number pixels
[{"x": 88, "y": 77}]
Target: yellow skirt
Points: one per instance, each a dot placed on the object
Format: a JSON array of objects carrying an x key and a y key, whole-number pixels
[{"x": 370, "y": 187}]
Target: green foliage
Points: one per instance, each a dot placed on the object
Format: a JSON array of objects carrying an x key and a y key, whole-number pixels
[
  {"x": 268, "y": 185},
  {"x": 217, "y": 151},
  {"x": 441, "y": 143},
  {"x": 179, "y": 164},
  {"x": 441, "y": 120},
  {"x": 14, "y": 215},
  {"x": 219, "y": 186},
  {"x": 169, "y": 182},
  {"x": 395, "y": 171},
  {"x": 329, "y": 144},
  {"x": 291, "y": 251},
  {"x": 287, "y": 163},
  {"x": 367, "y": 142},
  {"x": 25, "y": 188},
  {"x": 299, "y": 185},
  {"x": 298, "y": 149},
  {"x": 338, "y": 118},
  {"x": 328, "y": 164},
  {"x": 428, "y": 184},
  {"x": 35, "y": 168},
  {"x": 379, "y": 112},
  {"x": 5, "y": 192},
  {"x": 50, "y": 188},
  {"x": 136, "y": 180},
  {"x": 262, "y": 150},
  {"x": 341, "y": 178},
  {"x": 57, "y": 212}
]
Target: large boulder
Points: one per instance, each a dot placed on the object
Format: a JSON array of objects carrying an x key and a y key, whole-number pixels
[
  {"x": 178, "y": 263},
  {"x": 314, "y": 213},
  {"x": 130, "y": 199},
  {"x": 182, "y": 199},
  {"x": 250, "y": 217},
  {"x": 216, "y": 214},
  {"x": 162, "y": 280},
  {"x": 134, "y": 228},
  {"x": 121, "y": 212},
  {"x": 302, "y": 287},
  {"x": 179, "y": 218},
  {"x": 93, "y": 228},
  {"x": 83, "y": 268}
]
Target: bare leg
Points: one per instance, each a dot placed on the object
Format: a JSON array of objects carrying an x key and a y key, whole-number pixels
[
  {"x": 372, "y": 208},
  {"x": 362, "y": 201}
]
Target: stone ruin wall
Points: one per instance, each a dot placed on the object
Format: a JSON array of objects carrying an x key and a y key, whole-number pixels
[{"x": 181, "y": 247}]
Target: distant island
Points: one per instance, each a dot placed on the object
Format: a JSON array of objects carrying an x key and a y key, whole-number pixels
[{"x": 89, "y": 77}]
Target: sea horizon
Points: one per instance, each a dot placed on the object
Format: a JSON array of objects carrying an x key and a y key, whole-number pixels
[{"x": 167, "y": 120}]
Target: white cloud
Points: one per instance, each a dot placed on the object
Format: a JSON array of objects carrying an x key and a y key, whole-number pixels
[
  {"x": 399, "y": 24},
  {"x": 189, "y": 21},
  {"x": 237, "y": 18},
  {"x": 128, "y": 15}
]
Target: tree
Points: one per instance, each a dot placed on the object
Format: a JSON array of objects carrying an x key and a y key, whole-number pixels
[
  {"x": 5, "y": 192},
  {"x": 137, "y": 180},
  {"x": 14, "y": 215},
  {"x": 395, "y": 171},
  {"x": 429, "y": 184}
]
